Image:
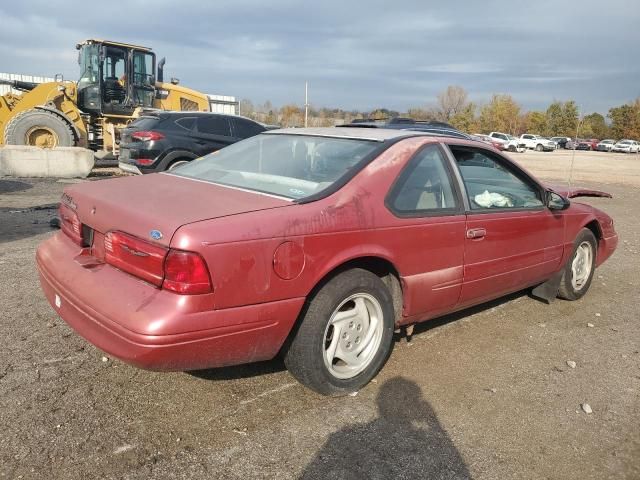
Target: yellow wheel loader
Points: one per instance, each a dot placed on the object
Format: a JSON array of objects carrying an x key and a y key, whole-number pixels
[{"x": 117, "y": 83}]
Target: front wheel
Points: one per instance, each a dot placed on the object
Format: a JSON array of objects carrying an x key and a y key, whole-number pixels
[
  {"x": 39, "y": 128},
  {"x": 579, "y": 270},
  {"x": 345, "y": 336},
  {"x": 539, "y": 148}
]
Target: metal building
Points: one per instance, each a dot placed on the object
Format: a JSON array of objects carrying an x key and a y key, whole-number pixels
[
  {"x": 224, "y": 104},
  {"x": 23, "y": 78}
]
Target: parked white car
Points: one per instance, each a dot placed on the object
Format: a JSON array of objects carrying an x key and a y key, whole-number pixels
[
  {"x": 605, "y": 145},
  {"x": 509, "y": 142},
  {"x": 626, "y": 146},
  {"x": 537, "y": 143}
]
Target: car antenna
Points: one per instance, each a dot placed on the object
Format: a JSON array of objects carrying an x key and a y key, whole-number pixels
[{"x": 573, "y": 155}]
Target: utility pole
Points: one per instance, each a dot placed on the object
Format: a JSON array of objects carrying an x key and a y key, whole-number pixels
[{"x": 306, "y": 104}]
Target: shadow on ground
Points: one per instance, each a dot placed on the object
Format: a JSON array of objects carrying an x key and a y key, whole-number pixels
[
  {"x": 240, "y": 371},
  {"x": 405, "y": 441}
]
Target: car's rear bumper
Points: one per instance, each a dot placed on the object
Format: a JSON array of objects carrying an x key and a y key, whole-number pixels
[
  {"x": 120, "y": 315},
  {"x": 129, "y": 168},
  {"x": 129, "y": 160}
]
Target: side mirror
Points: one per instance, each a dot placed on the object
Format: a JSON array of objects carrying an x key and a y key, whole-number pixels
[{"x": 557, "y": 202}]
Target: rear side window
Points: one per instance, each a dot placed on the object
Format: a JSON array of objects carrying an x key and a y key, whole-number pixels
[
  {"x": 214, "y": 125},
  {"x": 145, "y": 123},
  {"x": 246, "y": 129},
  {"x": 490, "y": 183},
  {"x": 424, "y": 186},
  {"x": 188, "y": 123}
]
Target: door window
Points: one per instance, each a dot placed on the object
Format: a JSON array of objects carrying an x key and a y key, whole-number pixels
[
  {"x": 424, "y": 186},
  {"x": 246, "y": 129},
  {"x": 188, "y": 123},
  {"x": 143, "y": 89},
  {"x": 491, "y": 184},
  {"x": 114, "y": 76},
  {"x": 214, "y": 125}
]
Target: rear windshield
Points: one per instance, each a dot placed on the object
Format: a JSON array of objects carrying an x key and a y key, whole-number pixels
[
  {"x": 291, "y": 166},
  {"x": 145, "y": 122}
]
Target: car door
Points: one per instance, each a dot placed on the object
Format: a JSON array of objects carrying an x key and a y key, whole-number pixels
[
  {"x": 428, "y": 233},
  {"x": 512, "y": 240},
  {"x": 528, "y": 140},
  {"x": 213, "y": 132}
]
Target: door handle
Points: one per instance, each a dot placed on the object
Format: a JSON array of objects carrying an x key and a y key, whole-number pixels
[{"x": 476, "y": 233}]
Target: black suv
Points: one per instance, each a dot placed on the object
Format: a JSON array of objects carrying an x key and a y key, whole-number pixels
[
  {"x": 401, "y": 123},
  {"x": 160, "y": 141}
]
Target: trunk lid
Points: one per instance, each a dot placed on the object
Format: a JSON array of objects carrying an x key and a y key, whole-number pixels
[{"x": 160, "y": 203}]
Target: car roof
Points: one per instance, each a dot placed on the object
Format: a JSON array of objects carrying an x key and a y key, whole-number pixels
[
  {"x": 184, "y": 113},
  {"x": 367, "y": 133},
  {"x": 372, "y": 134}
]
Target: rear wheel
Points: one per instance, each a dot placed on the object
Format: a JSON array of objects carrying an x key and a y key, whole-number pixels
[
  {"x": 345, "y": 336},
  {"x": 39, "y": 128},
  {"x": 578, "y": 272},
  {"x": 177, "y": 163}
]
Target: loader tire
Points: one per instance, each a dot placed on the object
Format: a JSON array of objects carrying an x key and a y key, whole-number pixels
[{"x": 39, "y": 128}]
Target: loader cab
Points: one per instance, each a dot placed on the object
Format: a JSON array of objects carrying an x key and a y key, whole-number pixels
[{"x": 115, "y": 78}]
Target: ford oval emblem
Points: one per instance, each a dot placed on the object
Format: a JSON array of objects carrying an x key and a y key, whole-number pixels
[{"x": 155, "y": 234}]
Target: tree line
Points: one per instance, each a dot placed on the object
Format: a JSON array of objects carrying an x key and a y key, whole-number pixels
[{"x": 501, "y": 113}]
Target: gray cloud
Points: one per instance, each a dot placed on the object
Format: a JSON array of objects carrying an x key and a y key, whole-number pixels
[{"x": 354, "y": 54}]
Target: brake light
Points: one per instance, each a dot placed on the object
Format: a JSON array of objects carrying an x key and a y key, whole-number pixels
[
  {"x": 186, "y": 273},
  {"x": 135, "y": 256},
  {"x": 144, "y": 161},
  {"x": 145, "y": 135},
  {"x": 175, "y": 270},
  {"x": 70, "y": 224}
]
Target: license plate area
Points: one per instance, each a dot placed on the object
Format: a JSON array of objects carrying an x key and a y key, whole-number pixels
[{"x": 87, "y": 235}]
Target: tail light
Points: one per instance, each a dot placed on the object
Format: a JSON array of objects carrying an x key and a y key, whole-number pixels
[
  {"x": 135, "y": 256},
  {"x": 175, "y": 270},
  {"x": 70, "y": 224},
  {"x": 144, "y": 161},
  {"x": 186, "y": 272},
  {"x": 145, "y": 135}
]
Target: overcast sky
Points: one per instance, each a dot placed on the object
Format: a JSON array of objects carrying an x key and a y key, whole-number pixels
[{"x": 355, "y": 54}]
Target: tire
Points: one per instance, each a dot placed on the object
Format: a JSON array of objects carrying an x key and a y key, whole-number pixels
[
  {"x": 539, "y": 148},
  {"x": 177, "y": 163},
  {"x": 575, "y": 281},
  {"x": 39, "y": 128},
  {"x": 366, "y": 307},
  {"x": 512, "y": 148}
]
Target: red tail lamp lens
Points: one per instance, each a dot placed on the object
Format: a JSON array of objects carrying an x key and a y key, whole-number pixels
[
  {"x": 186, "y": 273},
  {"x": 135, "y": 256},
  {"x": 145, "y": 135},
  {"x": 70, "y": 224}
]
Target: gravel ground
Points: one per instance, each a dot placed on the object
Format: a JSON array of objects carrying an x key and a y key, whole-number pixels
[{"x": 486, "y": 393}]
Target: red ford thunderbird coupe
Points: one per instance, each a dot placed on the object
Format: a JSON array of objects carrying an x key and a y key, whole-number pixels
[{"x": 313, "y": 243}]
